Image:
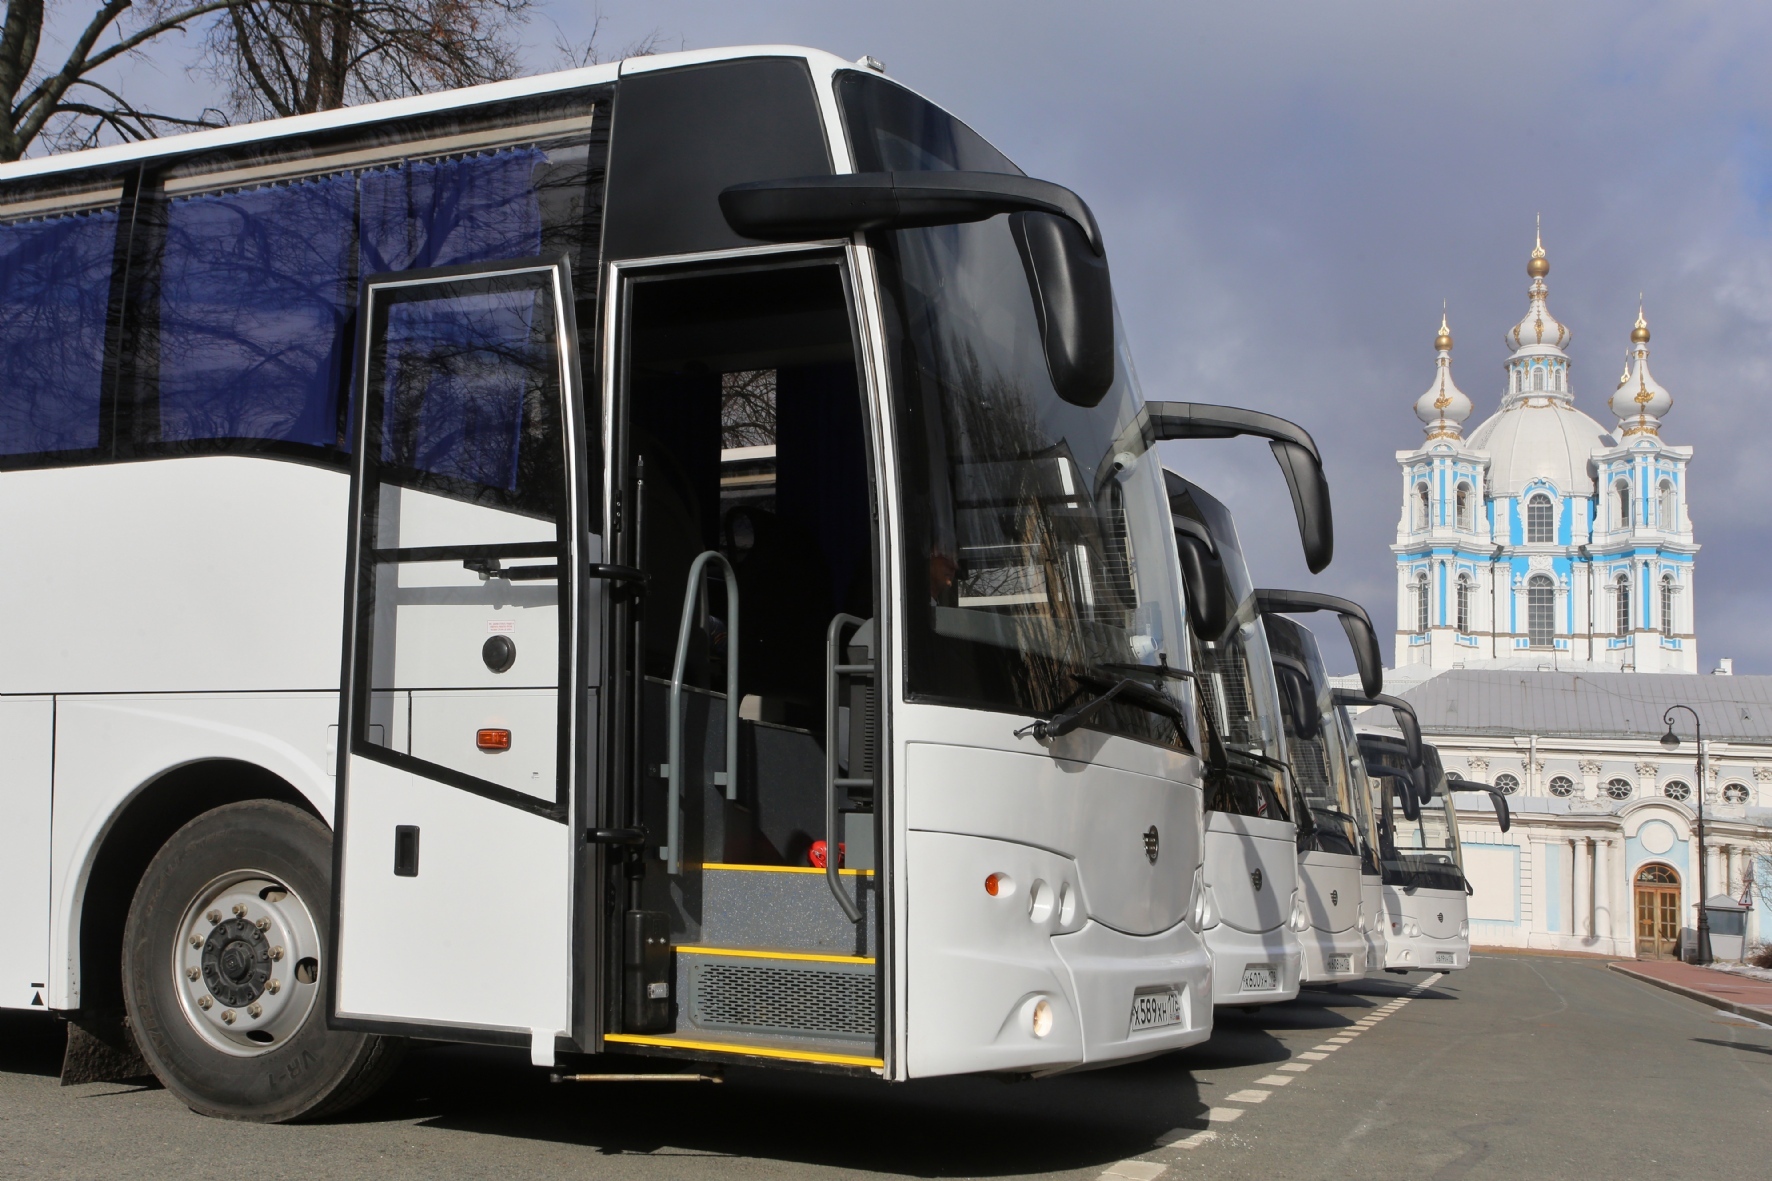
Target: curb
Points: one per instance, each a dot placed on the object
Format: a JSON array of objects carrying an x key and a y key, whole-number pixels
[{"x": 1752, "y": 1012}]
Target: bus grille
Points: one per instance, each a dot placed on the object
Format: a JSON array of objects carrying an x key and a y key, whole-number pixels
[{"x": 783, "y": 1000}]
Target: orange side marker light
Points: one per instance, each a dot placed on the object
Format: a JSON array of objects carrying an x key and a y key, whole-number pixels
[{"x": 493, "y": 740}]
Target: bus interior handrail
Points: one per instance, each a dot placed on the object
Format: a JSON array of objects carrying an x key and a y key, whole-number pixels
[{"x": 692, "y": 593}]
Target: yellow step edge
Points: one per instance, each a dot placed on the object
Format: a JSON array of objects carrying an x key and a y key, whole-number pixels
[
  {"x": 680, "y": 1043},
  {"x": 848, "y": 873},
  {"x": 755, "y": 954}
]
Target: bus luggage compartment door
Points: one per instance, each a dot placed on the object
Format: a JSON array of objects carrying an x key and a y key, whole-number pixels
[{"x": 461, "y": 630}]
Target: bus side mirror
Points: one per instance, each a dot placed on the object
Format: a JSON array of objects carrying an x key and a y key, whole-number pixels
[
  {"x": 1293, "y": 448},
  {"x": 1202, "y": 575},
  {"x": 1503, "y": 818},
  {"x": 1054, "y": 230},
  {"x": 1074, "y": 301},
  {"x": 1411, "y": 729},
  {"x": 1361, "y": 636}
]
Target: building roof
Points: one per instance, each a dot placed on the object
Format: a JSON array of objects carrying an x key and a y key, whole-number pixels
[{"x": 1514, "y": 703}]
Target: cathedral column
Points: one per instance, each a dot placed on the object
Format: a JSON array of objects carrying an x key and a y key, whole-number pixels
[
  {"x": 1584, "y": 888},
  {"x": 1603, "y": 888}
]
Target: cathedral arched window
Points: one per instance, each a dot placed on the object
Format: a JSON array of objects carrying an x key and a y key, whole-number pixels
[
  {"x": 1622, "y": 586},
  {"x": 1621, "y": 493},
  {"x": 1667, "y": 604},
  {"x": 1464, "y": 604},
  {"x": 1541, "y": 522},
  {"x": 1537, "y": 379},
  {"x": 1465, "y": 495},
  {"x": 1423, "y": 507},
  {"x": 1669, "y": 509},
  {"x": 1541, "y": 611},
  {"x": 1421, "y": 617}
]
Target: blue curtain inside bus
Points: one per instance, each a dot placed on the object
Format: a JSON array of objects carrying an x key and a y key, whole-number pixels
[
  {"x": 55, "y": 287},
  {"x": 258, "y": 285},
  {"x": 440, "y": 213},
  {"x": 454, "y": 382},
  {"x": 255, "y": 287}
]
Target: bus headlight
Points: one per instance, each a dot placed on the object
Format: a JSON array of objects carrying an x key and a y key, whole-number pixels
[
  {"x": 1301, "y": 918},
  {"x": 1040, "y": 1018}
]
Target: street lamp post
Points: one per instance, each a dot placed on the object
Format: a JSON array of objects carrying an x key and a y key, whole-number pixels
[{"x": 1671, "y": 740}]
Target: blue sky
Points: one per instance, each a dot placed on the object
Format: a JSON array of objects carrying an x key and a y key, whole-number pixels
[{"x": 1289, "y": 191}]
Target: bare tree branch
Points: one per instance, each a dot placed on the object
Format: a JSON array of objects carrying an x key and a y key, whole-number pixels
[{"x": 287, "y": 57}]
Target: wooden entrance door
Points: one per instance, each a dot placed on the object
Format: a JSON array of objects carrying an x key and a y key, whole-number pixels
[{"x": 1658, "y": 913}]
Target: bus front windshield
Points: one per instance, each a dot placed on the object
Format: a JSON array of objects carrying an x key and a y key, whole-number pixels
[
  {"x": 1235, "y": 674},
  {"x": 1314, "y": 741},
  {"x": 1039, "y": 570},
  {"x": 1421, "y": 853}
]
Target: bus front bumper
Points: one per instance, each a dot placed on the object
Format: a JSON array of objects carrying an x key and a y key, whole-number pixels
[
  {"x": 1112, "y": 973},
  {"x": 1333, "y": 956},
  {"x": 1238, "y": 958}
]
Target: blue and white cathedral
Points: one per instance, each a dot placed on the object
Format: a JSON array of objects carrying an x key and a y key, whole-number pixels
[{"x": 1541, "y": 539}]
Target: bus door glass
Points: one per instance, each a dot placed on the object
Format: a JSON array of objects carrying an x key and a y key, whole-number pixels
[
  {"x": 750, "y": 917},
  {"x": 460, "y": 635}
]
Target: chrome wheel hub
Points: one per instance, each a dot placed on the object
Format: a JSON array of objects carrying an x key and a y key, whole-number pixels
[{"x": 247, "y": 963}]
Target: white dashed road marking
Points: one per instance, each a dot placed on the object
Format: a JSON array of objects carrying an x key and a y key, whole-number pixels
[{"x": 1140, "y": 1170}]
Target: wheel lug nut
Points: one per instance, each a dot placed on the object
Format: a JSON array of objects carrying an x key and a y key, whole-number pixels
[
  {"x": 255, "y": 1009},
  {"x": 264, "y": 924},
  {"x": 204, "y": 1002},
  {"x": 191, "y": 974},
  {"x": 227, "y": 1016},
  {"x": 277, "y": 952},
  {"x": 239, "y": 910},
  {"x": 214, "y": 917},
  {"x": 273, "y": 986},
  {"x": 196, "y": 941}
]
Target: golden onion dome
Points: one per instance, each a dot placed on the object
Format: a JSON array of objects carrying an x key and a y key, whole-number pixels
[{"x": 1538, "y": 266}]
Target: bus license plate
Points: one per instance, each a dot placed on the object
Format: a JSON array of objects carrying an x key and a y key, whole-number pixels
[
  {"x": 1259, "y": 978},
  {"x": 1153, "y": 1010},
  {"x": 1339, "y": 963},
  {"x": 1445, "y": 957}
]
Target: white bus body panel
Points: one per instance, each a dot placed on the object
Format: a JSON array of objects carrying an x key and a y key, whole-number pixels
[
  {"x": 27, "y": 732},
  {"x": 1330, "y": 885},
  {"x": 1252, "y": 925},
  {"x": 1442, "y": 919},
  {"x": 480, "y": 937},
  {"x": 1373, "y": 921},
  {"x": 1065, "y": 821},
  {"x": 167, "y": 581},
  {"x": 108, "y": 748}
]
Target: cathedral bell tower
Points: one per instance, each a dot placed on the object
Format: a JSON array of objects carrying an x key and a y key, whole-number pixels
[{"x": 1541, "y": 540}]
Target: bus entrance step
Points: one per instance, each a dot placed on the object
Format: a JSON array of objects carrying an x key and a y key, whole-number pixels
[
  {"x": 782, "y": 997},
  {"x": 787, "y": 908}
]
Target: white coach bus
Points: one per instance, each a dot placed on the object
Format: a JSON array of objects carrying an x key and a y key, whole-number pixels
[
  {"x": 667, "y": 558},
  {"x": 1329, "y": 853}
]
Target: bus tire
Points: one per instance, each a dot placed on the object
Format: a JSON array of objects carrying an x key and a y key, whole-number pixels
[{"x": 223, "y": 970}]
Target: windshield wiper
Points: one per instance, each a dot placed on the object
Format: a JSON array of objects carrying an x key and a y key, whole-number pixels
[{"x": 1122, "y": 689}]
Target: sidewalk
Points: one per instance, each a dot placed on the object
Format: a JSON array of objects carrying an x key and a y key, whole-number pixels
[{"x": 1737, "y": 994}]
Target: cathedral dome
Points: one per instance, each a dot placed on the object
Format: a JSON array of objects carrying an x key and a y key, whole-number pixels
[
  {"x": 1640, "y": 400},
  {"x": 1539, "y": 438},
  {"x": 1538, "y": 332},
  {"x": 1444, "y": 407}
]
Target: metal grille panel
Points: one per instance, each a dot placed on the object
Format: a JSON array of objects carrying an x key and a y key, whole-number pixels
[{"x": 784, "y": 1000}]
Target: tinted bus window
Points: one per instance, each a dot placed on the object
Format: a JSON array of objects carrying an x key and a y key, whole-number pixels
[{"x": 55, "y": 287}]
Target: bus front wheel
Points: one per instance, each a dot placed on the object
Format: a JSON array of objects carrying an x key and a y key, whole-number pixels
[{"x": 224, "y": 961}]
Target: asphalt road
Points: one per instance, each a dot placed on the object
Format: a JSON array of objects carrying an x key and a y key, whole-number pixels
[{"x": 1519, "y": 1067}]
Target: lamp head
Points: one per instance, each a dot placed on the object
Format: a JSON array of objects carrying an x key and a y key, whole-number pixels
[{"x": 1670, "y": 739}]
